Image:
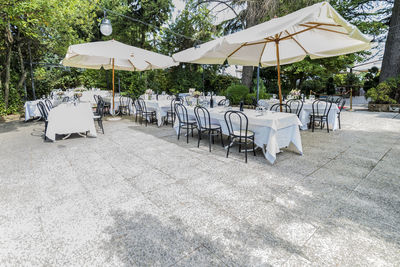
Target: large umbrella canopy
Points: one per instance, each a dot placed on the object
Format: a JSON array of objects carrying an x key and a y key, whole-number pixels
[
  {"x": 115, "y": 55},
  {"x": 100, "y": 54},
  {"x": 317, "y": 31}
]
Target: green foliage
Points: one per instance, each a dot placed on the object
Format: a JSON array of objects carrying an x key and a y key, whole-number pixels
[
  {"x": 314, "y": 85},
  {"x": 371, "y": 79},
  {"x": 383, "y": 93},
  {"x": 236, "y": 93},
  {"x": 15, "y": 104},
  {"x": 220, "y": 83},
  {"x": 330, "y": 86}
]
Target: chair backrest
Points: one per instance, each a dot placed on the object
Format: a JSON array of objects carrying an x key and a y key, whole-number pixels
[
  {"x": 142, "y": 104},
  {"x": 321, "y": 107},
  {"x": 295, "y": 105},
  {"x": 222, "y": 102},
  {"x": 65, "y": 99},
  {"x": 329, "y": 98},
  {"x": 42, "y": 109},
  {"x": 96, "y": 98},
  {"x": 174, "y": 101},
  {"x": 124, "y": 101},
  {"x": 100, "y": 108},
  {"x": 239, "y": 119},
  {"x": 49, "y": 105},
  {"x": 137, "y": 105},
  {"x": 338, "y": 100},
  {"x": 181, "y": 113},
  {"x": 202, "y": 117},
  {"x": 277, "y": 107}
]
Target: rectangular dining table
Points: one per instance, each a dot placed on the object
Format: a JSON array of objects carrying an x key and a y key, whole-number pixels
[
  {"x": 273, "y": 130},
  {"x": 68, "y": 118}
]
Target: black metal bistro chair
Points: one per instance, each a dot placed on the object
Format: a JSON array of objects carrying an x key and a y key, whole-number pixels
[
  {"x": 295, "y": 105},
  {"x": 138, "y": 109},
  {"x": 124, "y": 105},
  {"x": 320, "y": 112},
  {"x": 98, "y": 115},
  {"x": 171, "y": 112},
  {"x": 338, "y": 100},
  {"x": 106, "y": 106},
  {"x": 239, "y": 134},
  {"x": 341, "y": 107},
  {"x": 44, "y": 114},
  {"x": 277, "y": 107},
  {"x": 48, "y": 103},
  {"x": 65, "y": 99},
  {"x": 204, "y": 126},
  {"x": 145, "y": 113},
  {"x": 184, "y": 122},
  {"x": 222, "y": 102}
]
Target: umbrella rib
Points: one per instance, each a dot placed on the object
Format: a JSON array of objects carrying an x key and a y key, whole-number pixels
[
  {"x": 151, "y": 65},
  {"x": 262, "y": 52},
  {"x": 297, "y": 43},
  {"x": 134, "y": 68},
  {"x": 324, "y": 24},
  {"x": 293, "y": 34},
  {"x": 237, "y": 49},
  {"x": 324, "y": 29}
]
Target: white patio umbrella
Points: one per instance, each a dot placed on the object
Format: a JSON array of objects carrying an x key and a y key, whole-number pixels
[
  {"x": 317, "y": 31},
  {"x": 116, "y": 56}
]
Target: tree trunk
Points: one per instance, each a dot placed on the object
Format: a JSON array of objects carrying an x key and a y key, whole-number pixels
[
  {"x": 7, "y": 76},
  {"x": 9, "y": 41},
  {"x": 23, "y": 71},
  {"x": 391, "y": 58},
  {"x": 247, "y": 76}
]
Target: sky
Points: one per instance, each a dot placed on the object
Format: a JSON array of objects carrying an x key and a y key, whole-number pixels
[{"x": 180, "y": 5}]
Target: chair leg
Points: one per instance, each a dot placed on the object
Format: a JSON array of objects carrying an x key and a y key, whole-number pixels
[
  {"x": 339, "y": 121},
  {"x": 222, "y": 140},
  {"x": 101, "y": 125},
  {"x": 187, "y": 134},
  {"x": 312, "y": 124},
  {"x": 245, "y": 152},
  {"x": 254, "y": 148},
  {"x": 179, "y": 131},
  {"x": 327, "y": 125},
  {"x": 240, "y": 144},
  {"x": 191, "y": 127},
  {"x": 229, "y": 145},
  {"x": 199, "y": 137},
  {"x": 210, "y": 137}
]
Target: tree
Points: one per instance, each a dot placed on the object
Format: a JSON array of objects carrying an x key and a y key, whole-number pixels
[
  {"x": 391, "y": 58},
  {"x": 194, "y": 21}
]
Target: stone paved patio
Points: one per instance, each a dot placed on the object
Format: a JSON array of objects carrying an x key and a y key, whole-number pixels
[{"x": 137, "y": 196}]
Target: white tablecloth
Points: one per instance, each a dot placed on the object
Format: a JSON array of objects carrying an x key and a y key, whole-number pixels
[
  {"x": 31, "y": 109},
  {"x": 87, "y": 96},
  {"x": 68, "y": 118},
  {"x": 307, "y": 110},
  {"x": 273, "y": 130}
]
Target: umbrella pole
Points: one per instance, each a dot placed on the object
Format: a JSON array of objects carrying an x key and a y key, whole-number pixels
[
  {"x": 278, "y": 62},
  {"x": 113, "y": 85},
  {"x": 258, "y": 83}
]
